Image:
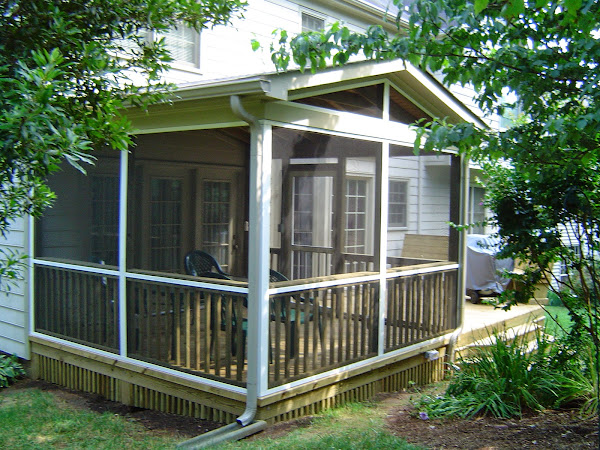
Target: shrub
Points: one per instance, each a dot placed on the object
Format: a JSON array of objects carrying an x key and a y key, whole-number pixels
[
  {"x": 502, "y": 380},
  {"x": 10, "y": 369}
]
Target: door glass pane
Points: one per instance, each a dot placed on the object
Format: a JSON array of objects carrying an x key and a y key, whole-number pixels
[
  {"x": 312, "y": 222},
  {"x": 216, "y": 219},
  {"x": 356, "y": 217},
  {"x": 312, "y": 210},
  {"x": 165, "y": 224},
  {"x": 104, "y": 229}
]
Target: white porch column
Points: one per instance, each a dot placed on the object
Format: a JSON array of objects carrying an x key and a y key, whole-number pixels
[
  {"x": 259, "y": 258},
  {"x": 122, "y": 301},
  {"x": 383, "y": 241}
]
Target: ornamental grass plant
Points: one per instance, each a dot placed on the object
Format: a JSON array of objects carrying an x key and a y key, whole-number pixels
[{"x": 508, "y": 378}]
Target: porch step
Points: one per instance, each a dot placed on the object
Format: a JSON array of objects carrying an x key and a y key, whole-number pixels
[{"x": 486, "y": 338}]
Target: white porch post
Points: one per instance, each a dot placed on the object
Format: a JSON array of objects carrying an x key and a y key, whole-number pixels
[
  {"x": 462, "y": 239},
  {"x": 259, "y": 258},
  {"x": 385, "y": 172},
  {"x": 383, "y": 225},
  {"x": 122, "y": 301}
]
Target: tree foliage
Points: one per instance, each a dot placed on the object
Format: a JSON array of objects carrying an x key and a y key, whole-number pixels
[
  {"x": 543, "y": 172},
  {"x": 67, "y": 69}
]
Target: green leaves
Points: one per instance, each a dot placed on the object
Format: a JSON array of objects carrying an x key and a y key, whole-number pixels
[
  {"x": 10, "y": 369},
  {"x": 63, "y": 87},
  {"x": 480, "y": 5}
]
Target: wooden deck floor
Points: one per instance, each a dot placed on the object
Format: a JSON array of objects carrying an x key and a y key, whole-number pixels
[{"x": 482, "y": 316}]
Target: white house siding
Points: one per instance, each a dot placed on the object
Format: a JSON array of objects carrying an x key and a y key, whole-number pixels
[
  {"x": 435, "y": 200},
  {"x": 226, "y": 51},
  {"x": 13, "y": 298},
  {"x": 405, "y": 168}
]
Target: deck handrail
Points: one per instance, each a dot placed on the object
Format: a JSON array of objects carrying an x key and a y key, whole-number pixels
[{"x": 283, "y": 287}]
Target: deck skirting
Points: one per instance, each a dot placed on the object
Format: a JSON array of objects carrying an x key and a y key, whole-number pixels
[{"x": 147, "y": 388}]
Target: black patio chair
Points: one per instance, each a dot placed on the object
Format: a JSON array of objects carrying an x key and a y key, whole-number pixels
[
  {"x": 198, "y": 262},
  {"x": 295, "y": 313}
]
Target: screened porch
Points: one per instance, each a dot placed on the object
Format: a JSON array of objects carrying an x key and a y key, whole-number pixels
[
  {"x": 330, "y": 238},
  {"x": 188, "y": 191}
]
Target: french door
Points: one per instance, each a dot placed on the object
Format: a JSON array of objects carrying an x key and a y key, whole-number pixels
[{"x": 185, "y": 209}]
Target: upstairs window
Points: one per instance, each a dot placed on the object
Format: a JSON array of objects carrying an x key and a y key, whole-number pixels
[
  {"x": 183, "y": 43},
  {"x": 312, "y": 23}
]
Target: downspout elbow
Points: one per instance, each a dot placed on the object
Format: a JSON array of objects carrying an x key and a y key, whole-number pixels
[{"x": 238, "y": 109}]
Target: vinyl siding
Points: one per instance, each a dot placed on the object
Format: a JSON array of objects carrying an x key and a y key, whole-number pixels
[{"x": 13, "y": 298}]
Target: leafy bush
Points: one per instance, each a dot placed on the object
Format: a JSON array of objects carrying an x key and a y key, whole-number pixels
[
  {"x": 505, "y": 379},
  {"x": 10, "y": 369},
  {"x": 554, "y": 299}
]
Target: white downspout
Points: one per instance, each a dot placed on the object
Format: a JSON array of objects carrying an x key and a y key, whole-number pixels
[
  {"x": 258, "y": 253},
  {"x": 258, "y": 286}
]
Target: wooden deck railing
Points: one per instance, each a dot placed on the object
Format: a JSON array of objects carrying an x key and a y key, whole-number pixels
[
  {"x": 204, "y": 329},
  {"x": 79, "y": 306},
  {"x": 339, "y": 325},
  {"x": 193, "y": 329},
  {"x": 420, "y": 307},
  {"x": 327, "y": 328}
]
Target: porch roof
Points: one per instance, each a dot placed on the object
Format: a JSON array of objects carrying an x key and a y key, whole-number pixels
[{"x": 418, "y": 86}]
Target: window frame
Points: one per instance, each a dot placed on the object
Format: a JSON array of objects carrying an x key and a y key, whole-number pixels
[
  {"x": 406, "y": 183},
  {"x": 479, "y": 229},
  {"x": 313, "y": 15},
  {"x": 181, "y": 64}
]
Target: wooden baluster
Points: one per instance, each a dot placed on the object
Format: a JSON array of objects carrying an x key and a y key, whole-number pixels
[{"x": 198, "y": 341}]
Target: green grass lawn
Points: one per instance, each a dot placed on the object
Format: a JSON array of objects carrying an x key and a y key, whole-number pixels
[
  {"x": 34, "y": 419},
  {"x": 353, "y": 426}
]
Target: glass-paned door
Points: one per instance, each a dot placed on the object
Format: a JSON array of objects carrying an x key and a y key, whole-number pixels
[
  {"x": 104, "y": 228},
  {"x": 355, "y": 230},
  {"x": 166, "y": 223},
  {"x": 217, "y": 221},
  {"x": 312, "y": 225}
]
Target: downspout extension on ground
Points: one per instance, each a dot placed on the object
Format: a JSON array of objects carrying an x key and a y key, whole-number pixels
[{"x": 245, "y": 425}]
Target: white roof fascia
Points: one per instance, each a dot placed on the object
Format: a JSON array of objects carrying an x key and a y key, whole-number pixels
[
  {"x": 356, "y": 71},
  {"x": 380, "y": 11},
  {"x": 444, "y": 96}
]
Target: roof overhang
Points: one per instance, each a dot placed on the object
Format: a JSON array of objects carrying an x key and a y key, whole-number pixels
[{"x": 419, "y": 87}]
